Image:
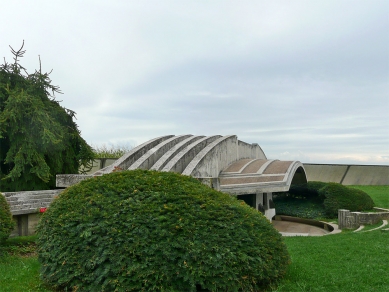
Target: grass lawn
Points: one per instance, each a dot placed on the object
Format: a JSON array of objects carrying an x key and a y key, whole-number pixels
[
  {"x": 19, "y": 266},
  {"x": 342, "y": 262}
]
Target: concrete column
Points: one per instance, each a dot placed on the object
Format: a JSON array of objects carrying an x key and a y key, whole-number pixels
[
  {"x": 258, "y": 199},
  {"x": 23, "y": 225},
  {"x": 347, "y": 220}
]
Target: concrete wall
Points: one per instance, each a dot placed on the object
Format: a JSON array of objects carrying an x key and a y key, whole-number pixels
[
  {"x": 25, "y": 207},
  {"x": 348, "y": 174},
  {"x": 352, "y": 220}
]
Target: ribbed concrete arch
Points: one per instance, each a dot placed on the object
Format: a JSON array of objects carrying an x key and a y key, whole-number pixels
[
  {"x": 222, "y": 162},
  {"x": 185, "y": 156},
  {"x": 129, "y": 158},
  {"x": 160, "y": 164},
  {"x": 150, "y": 157},
  {"x": 213, "y": 158}
]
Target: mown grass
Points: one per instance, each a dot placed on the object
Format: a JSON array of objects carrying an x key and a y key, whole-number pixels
[
  {"x": 19, "y": 266},
  {"x": 342, "y": 262}
]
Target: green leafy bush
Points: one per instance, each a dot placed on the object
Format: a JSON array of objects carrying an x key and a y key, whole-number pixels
[
  {"x": 156, "y": 231},
  {"x": 111, "y": 151},
  {"x": 319, "y": 199},
  {"x": 299, "y": 207},
  {"x": 6, "y": 222},
  {"x": 308, "y": 190},
  {"x": 338, "y": 196}
]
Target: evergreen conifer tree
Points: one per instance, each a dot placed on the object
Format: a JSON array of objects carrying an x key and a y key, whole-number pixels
[{"x": 38, "y": 137}]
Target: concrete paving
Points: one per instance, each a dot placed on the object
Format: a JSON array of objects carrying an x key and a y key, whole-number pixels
[{"x": 287, "y": 228}]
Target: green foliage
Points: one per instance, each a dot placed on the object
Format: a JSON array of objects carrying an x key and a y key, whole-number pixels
[
  {"x": 19, "y": 267},
  {"x": 6, "y": 222},
  {"x": 319, "y": 199},
  {"x": 38, "y": 137},
  {"x": 309, "y": 190},
  {"x": 112, "y": 151},
  {"x": 379, "y": 194},
  {"x": 342, "y": 262},
  {"x": 299, "y": 207},
  {"x": 156, "y": 231},
  {"x": 338, "y": 196}
]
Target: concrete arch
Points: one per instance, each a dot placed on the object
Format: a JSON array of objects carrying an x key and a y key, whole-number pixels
[
  {"x": 147, "y": 160},
  {"x": 213, "y": 158},
  {"x": 222, "y": 162},
  {"x": 160, "y": 164},
  {"x": 261, "y": 176},
  {"x": 129, "y": 158},
  {"x": 180, "y": 161}
]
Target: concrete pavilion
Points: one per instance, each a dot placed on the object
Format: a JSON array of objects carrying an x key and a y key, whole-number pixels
[{"x": 222, "y": 162}]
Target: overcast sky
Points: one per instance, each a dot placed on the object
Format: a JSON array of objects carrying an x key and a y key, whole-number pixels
[{"x": 306, "y": 80}]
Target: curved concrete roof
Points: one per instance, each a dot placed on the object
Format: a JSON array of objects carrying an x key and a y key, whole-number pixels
[
  {"x": 248, "y": 176},
  {"x": 237, "y": 167},
  {"x": 222, "y": 162}
]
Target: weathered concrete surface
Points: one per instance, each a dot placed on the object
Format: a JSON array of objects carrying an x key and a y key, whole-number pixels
[
  {"x": 30, "y": 202},
  {"x": 212, "y": 159},
  {"x": 325, "y": 172},
  {"x": 348, "y": 174},
  {"x": 293, "y": 226},
  {"x": 129, "y": 158},
  {"x": 352, "y": 220},
  {"x": 287, "y": 228},
  {"x": 246, "y": 150},
  {"x": 367, "y": 175},
  {"x": 98, "y": 164},
  {"x": 25, "y": 224},
  {"x": 250, "y": 176},
  {"x": 222, "y": 162},
  {"x": 25, "y": 208},
  {"x": 67, "y": 180},
  {"x": 241, "y": 167},
  {"x": 180, "y": 161},
  {"x": 150, "y": 157},
  {"x": 165, "y": 158}
]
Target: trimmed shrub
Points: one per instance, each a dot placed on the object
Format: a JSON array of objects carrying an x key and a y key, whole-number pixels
[
  {"x": 6, "y": 222},
  {"x": 338, "y": 196},
  {"x": 156, "y": 231}
]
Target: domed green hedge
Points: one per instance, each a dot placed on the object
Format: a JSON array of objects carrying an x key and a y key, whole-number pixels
[
  {"x": 156, "y": 231},
  {"x": 6, "y": 222},
  {"x": 338, "y": 196}
]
